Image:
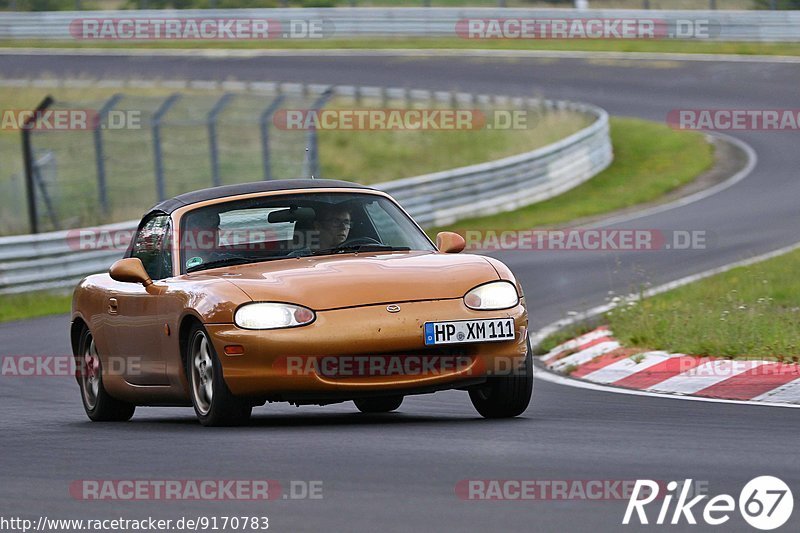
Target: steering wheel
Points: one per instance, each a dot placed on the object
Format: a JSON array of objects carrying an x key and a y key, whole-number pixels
[{"x": 360, "y": 240}]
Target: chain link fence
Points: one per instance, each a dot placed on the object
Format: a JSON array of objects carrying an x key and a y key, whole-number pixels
[
  {"x": 136, "y": 149},
  {"x": 150, "y": 148}
]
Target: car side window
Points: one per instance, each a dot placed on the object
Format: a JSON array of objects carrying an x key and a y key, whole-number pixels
[{"x": 152, "y": 247}]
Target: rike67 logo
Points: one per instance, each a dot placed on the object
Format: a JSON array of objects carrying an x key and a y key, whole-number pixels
[{"x": 765, "y": 503}]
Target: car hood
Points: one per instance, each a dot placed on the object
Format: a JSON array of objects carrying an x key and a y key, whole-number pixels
[{"x": 348, "y": 280}]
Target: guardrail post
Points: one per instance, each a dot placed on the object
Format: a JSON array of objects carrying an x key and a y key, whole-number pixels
[
  {"x": 27, "y": 156},
  {"x": 312, "y": 146},
  {"x": 39, "y": 180},
  {"x": 212, "y": 136},
  {"x": 156, "y": 127},
  {"x": 263, "y": 124},
  {"x": 102, "y": 192}
]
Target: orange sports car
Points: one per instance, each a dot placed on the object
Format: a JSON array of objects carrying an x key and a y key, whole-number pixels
[{"x": 300, "y": 291}]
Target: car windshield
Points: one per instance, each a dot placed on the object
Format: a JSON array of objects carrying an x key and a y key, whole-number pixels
[{"x": 294, "y": 225}]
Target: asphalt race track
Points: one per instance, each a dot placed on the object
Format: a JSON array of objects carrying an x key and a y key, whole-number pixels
[{"x": 399, "y": 472}]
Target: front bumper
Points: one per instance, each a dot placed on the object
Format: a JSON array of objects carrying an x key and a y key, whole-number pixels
[{"x": 364, "y": 350}]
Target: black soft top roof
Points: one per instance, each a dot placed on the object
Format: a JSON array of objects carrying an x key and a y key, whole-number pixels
[{"x": 168, "y": 206}]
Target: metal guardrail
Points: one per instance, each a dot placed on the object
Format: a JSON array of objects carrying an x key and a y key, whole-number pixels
[
  {"x": 765, "y": 26},
  {"x": 443, "y": 197},
  {"x": 59, "y": 259}
]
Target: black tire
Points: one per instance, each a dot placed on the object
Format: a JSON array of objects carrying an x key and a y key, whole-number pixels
[
  {"x": 385, "y": 404},
  {"x": 505, "y": 396},
  {"x": 213, "y": 402},
  {"x": 98, "y": 404}
]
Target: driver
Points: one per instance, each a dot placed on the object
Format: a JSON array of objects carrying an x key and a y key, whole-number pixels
[{"x": 332, "y": 224}]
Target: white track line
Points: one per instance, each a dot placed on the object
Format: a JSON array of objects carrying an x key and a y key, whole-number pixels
[
  {"x": 788, "y": 391},
  {"x": 545, "y": 375},
  {"x": 543, "y": 333},
  {"x": 752, "y": 160},
  {"x": 548, "y": 330}
]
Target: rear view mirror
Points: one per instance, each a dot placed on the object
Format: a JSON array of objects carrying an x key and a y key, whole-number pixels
[
  {"x": 293, "y": 214},
  {"x": 130, "y": 270},
  {"x": 449, "y": 242}
]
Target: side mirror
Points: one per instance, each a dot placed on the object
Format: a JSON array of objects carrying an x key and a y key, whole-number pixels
[
  {"x": 449, "y": 242},
  {"x": 130, "y": 270}
]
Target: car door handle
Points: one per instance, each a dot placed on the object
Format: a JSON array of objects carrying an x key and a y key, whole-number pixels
[{"x": 112, "y": 306}]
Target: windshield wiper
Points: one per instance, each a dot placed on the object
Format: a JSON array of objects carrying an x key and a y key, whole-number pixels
[
  {"x": 230, "y": 261},
  {"x": 361, "y": 248}
]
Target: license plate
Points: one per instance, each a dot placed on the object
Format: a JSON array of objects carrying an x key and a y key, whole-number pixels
[{"x": 492, "y": 330}]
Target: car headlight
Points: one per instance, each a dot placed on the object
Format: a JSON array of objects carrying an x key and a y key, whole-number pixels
[
  {"x": 494, "y": 295},
  {"x": 272, "y": 316}
]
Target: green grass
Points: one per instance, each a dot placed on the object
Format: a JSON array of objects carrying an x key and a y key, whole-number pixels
[
  {"x": 598, "y": 45},
  {"x": 376, "y": 156},
  {"x": 650, "y": 159},
  {"x": 30, "y": 305},
  {"x": 748, "y": 312}
]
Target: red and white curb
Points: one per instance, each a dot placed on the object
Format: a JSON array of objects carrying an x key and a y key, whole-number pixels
[{"x": 598, "y": 357}]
